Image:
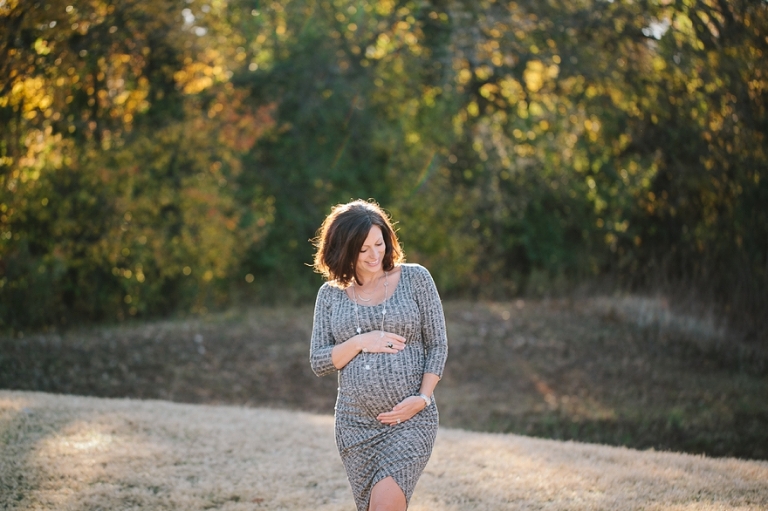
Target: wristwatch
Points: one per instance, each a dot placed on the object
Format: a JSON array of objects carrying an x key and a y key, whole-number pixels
[{"x": 426, "y": 399}]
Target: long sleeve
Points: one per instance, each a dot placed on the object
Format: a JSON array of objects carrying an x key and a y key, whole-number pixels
[
  {"x": 322, "y": 342},
  {"x": 434, "y": 333}
]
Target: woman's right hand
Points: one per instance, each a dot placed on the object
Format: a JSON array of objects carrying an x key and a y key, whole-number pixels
[{"x": 378, "y": 341}]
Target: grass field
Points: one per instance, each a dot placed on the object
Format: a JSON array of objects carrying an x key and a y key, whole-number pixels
[
  {"x": 625, "y": 371},
  {"x": 68, "y": 453}
]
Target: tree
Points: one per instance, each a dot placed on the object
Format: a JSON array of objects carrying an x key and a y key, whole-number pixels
[{"x": 119, "y": 160}]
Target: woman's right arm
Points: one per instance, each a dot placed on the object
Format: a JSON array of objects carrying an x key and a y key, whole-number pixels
[{"x": 322, "y": 344}]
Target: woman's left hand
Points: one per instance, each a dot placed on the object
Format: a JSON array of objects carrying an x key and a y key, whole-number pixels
[{"x": 403, "y": 411}]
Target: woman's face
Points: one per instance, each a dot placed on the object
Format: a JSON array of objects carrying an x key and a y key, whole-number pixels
[{"x": 372, "y": 252}]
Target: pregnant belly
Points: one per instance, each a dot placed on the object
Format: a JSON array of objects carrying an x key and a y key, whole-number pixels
[{"x": 376, "y": 382}]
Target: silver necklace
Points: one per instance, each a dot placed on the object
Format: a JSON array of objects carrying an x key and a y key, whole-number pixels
[
  {"x": 383, "y": 311},
  {"x": 369, "y": 294}
]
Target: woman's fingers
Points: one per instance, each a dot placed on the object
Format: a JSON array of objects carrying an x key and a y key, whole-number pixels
[
  {"x": 394, "y": 341},
  {"x": 390, "y": 418},
  {"x": 395, "y": 336},
  {"x": 401, "y": 412},
  {"x": 384, "y": 342}
]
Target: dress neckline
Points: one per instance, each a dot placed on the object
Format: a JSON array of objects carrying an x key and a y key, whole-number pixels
[{"x": 397, "y": 286}]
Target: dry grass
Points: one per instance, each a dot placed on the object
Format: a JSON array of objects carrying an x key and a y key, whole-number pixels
[
  {"x": 621, "y": 370},
  {"x": 76, "y": 453}
]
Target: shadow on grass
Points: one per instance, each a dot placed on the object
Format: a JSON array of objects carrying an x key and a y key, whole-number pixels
[
  {"x": 550, "y": 369},
  {"x": 744, "y": 437},
  {"x": 260, "y": 360}
]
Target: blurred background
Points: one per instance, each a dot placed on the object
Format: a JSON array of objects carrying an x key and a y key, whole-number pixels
[{"x": 172, "y": 159}]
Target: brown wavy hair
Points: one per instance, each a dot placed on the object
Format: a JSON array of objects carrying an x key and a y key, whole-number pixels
[{"x": 341, "y": 236}]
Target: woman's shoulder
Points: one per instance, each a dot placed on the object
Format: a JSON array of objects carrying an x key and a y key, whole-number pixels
[
  {"x": 419, "y": 280},
  {"x": 329, "y": 291},
  {"x": 416, "y": 273},
  {"x": 414, "y": 269}
]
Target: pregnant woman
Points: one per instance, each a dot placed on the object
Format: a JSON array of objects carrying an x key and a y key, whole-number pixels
[{"x": 379, "y": 323}]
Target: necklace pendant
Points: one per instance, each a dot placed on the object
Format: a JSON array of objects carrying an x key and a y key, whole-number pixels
[{"x": 384, "y": 311}]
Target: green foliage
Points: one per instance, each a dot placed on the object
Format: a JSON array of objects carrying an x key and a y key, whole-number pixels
[
  {"x": 118, "y": 164},
  {"x": 517, "y": 143}
]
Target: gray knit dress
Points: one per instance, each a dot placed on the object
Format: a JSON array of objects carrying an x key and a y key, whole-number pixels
[{"x": 372, "y": 383}]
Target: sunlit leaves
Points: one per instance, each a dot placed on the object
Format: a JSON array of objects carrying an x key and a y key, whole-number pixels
[
  {"x": 119, "y": 163},
  {"x": 201, "y": 73},
  {"x": 536, "y": 74},
  {"x": 519, "y": 137}
]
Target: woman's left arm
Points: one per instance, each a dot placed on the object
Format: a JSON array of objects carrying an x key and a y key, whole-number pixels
[
  {"x": 435, "y": 338},
  {"x": 433, "y": 330}
]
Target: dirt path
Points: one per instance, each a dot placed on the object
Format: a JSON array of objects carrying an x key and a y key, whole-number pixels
[{"x": 76, "y": 453}]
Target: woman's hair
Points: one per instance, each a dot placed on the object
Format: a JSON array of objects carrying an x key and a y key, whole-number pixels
[{"x": 342, "y": 235}]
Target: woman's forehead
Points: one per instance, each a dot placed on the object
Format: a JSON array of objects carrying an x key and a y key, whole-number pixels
[{"x": 374, "y": 234}]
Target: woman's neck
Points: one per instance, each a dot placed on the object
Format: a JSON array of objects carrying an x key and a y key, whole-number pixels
[{"x": 367, "y": 278}]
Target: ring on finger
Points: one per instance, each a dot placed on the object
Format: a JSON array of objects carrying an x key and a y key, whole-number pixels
[
  {"x": 398, "y": 421},
  {"x": 389, "y": 345}
]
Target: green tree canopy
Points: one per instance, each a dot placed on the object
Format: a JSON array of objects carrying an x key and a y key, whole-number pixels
[{"x": 519, "y": 144}]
